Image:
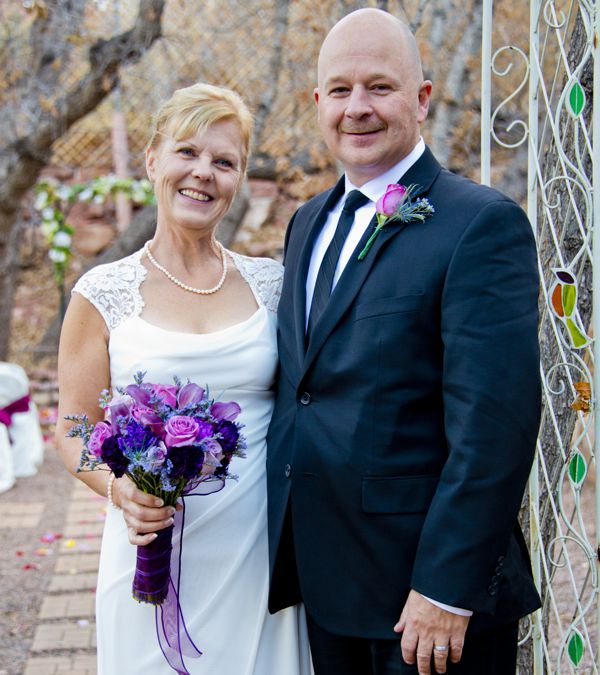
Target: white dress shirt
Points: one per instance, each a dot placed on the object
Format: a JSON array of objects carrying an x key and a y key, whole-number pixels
[{"x": 362, "y": 217}]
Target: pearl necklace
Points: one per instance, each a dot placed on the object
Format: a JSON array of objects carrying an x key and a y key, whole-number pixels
[{"x": 177, "y": 282}]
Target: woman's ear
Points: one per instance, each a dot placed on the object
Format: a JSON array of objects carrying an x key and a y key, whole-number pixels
[{"x": 150, "y": 164}]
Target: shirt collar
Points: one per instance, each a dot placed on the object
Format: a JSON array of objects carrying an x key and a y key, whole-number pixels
[{"x": 374, "y": 188}]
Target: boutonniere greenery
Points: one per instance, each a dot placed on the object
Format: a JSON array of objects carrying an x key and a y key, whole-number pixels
[{"x": 397, "y": 205}]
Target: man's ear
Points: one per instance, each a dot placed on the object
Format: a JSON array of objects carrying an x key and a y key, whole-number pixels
[
  {"x": 316, "y": 94},
  {"x": 424, "y": 98}
]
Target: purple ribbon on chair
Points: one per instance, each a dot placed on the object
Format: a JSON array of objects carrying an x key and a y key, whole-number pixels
[
  {"x": 172, "y": 633},
  {"x": 21, "y": 405}
]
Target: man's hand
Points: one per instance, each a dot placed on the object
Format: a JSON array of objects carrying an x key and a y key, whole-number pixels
[{"x": 425, "y": 626}]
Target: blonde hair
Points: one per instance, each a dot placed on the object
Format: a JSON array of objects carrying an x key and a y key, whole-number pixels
[{"x": 196, "y": 108}]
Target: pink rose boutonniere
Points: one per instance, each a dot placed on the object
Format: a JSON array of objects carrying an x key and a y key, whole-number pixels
[{"x": 397, "y": 205}]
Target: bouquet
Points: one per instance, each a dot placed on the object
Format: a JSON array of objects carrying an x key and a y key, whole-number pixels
[{"x": 168, "y": 439}]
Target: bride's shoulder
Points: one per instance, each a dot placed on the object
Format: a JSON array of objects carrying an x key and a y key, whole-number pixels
[
  {"x": 255, "y": 265},
  {"x": 113, "y": 288},
  {"x": 264, "y": 275}
]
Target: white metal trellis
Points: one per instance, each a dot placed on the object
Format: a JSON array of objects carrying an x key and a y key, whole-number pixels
[{"x": 562, "y": 136}]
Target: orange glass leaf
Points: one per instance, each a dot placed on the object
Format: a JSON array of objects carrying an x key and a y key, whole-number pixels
[{"x": 557, "y": 304}]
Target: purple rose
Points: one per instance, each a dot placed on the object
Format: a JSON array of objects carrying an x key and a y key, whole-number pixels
[
  {"x": 190, "y": 394},
  {"x": 181, "y": 430},
  {"x": 391, "y": 199},
  {"x": 155, "y": 458},
  {"x": 225, "y": 411},
  {"x": 213, "y": 454},
  {"x": 113, "y": 456},
  {"x": 100, "y": 433},
  {"x": 167, "y": 393},
  {"x": 148, "y": 418}
]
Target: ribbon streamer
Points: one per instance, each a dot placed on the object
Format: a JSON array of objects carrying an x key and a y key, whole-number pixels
[{"x": 171, "y": 631}]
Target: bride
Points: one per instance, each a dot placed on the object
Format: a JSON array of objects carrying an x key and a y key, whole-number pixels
[{"x": 184, "y": 306}]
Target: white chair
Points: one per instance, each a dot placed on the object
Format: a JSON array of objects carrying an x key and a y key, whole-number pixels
[
  {"x": 7, "y": 470},
  {"x": 24, "y": 430}
]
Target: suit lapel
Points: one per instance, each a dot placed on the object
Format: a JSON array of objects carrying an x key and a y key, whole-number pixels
[
  {"x": 313, "y": 230},
  {"x": 422, "y": 173}
]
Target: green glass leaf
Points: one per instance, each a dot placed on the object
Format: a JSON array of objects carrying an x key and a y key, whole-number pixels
[
  {"x": 577, "y": 468},
  {"x": 576, "y": 99},
  {"x": 569, "y": 298},
  {"x": 576, "y": 648},
  {"x": 578, "y": 338}
]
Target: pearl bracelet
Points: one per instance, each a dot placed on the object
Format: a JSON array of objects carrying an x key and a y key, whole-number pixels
[{"x": 109, "y": 491}]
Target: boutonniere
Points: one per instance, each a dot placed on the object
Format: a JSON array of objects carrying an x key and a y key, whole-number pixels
[{"x": 397, "y": 205}]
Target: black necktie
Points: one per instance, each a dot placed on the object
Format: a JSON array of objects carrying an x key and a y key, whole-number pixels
[{"x": 324, "y": 282}]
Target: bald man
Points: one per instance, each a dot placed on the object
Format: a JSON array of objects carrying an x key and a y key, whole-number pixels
[{"x": 408, "y": 397}]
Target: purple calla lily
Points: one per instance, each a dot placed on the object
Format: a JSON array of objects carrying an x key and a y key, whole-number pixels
[
  {"x": 149, "y": 418},
  {"x": 138, "y": 394},
  {"x": 119, "y": 408},
  {"x": 190, "y": 394},
  {"x": 225, "y": 411}
]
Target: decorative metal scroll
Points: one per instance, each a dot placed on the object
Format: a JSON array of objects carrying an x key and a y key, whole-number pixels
[{"x": 552, "y": 89}]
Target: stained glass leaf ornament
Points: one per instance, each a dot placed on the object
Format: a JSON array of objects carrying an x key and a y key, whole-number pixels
[
  {"x": 563, "y": 302},
  {"x": 576, "y": 99},
  {"x": 577, "y": 469},
  {"x": 576, "y": 647}
]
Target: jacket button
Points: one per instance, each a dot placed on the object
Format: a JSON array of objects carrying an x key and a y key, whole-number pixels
[
  {"x": 305, "y": 398},
  {"x": 492, "y": 589},
  {"x": 287, "y": 471},
  {"x": 501, "y": 560}
]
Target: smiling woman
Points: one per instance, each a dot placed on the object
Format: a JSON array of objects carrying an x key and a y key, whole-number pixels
[{"x": 185, "y": 307}]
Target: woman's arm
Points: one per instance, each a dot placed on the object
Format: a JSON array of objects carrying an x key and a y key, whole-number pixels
[{"x": 83, "y": 372}]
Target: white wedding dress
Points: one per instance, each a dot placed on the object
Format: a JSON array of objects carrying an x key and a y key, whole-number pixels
[{"x": 224, "y": 567}]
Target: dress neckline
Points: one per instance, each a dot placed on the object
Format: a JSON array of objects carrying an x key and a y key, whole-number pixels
[{"x": 222, "y": 331}]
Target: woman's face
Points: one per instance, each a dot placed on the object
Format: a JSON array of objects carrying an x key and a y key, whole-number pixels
[{"x": 195, "y": 179}]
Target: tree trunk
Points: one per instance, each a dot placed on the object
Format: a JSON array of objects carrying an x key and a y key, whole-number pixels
[{"x": 23, "y": 155}]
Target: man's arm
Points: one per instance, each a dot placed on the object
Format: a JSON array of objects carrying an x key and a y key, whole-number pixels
[{"x": 491, "y": 391}]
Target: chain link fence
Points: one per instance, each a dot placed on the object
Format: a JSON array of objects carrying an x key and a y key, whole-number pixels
[{"x": 265, "y": 50}]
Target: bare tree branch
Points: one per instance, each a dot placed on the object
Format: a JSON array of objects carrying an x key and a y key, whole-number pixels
[{"x": 22, "y": 157}]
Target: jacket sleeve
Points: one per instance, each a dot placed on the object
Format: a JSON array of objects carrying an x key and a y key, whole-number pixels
[{"x": 491, "y": 393}]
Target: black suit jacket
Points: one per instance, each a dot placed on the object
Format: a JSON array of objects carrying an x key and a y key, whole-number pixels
[{"x": 402, "y": 437}]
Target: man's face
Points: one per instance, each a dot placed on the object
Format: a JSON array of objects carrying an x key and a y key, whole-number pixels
[{"x": 370, "y": 100}]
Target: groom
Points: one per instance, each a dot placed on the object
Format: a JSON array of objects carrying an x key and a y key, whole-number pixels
[{"x": 408, "y": 397}]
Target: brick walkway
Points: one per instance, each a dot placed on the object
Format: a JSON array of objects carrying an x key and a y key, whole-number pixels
[{"x": 65, "y": 638}]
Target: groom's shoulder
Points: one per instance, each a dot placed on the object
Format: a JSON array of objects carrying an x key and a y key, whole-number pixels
[
  {"x": 456, "y": 183},
  {"x": 470, "y": 197}
]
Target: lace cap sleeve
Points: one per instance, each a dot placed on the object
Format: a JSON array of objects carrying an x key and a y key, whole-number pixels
[
  {"x": 114, "y": 289},
  {"x": 263, "y": 275}
]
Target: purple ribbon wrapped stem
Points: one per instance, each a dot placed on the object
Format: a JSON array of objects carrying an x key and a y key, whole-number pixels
[
  {"x": 156, "y": 581},
  {"x": 153, "y": 569}
]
